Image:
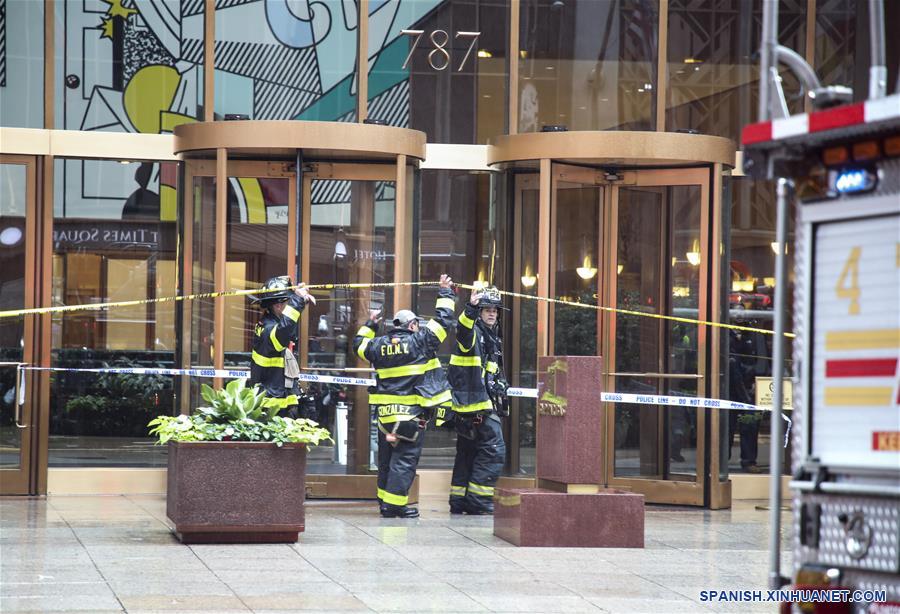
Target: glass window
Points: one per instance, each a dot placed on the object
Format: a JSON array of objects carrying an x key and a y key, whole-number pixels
[
  {"x": 522, "y": 343},
  {"x": 751, "y": 286},
  {"x": 713, "y": 72},
  {"x": 454, "y": 86},
  {"x": 22, "y": 63},
  {"x": 577, "y": 213},
  {"x": 128, "y": 67},
  {"x": 841, "y": 58},
  {"x": 588, "y": 64},
  {"x": 112, "y": 241},
  {"x": 454, "y": 239},
  {"x": 256, "y": 250},
  {"x": 286, "y": 60},
  {"x": 13, "y": 190},
  {"x": 351, "y": 241}
]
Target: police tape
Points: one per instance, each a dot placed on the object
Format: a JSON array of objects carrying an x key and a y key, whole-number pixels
[
  {"x": 532, "y": 393},
  {"x": 360, "y": 286}
]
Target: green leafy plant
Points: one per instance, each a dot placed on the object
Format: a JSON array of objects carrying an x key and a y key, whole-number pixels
[{"x": 236, "y": 413}]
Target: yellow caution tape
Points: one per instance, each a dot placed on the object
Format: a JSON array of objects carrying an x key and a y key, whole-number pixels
[
  {"x": 632, "y": 312},
  {"x": 189, "y": 297},
  {"x": 202, "y": 295}
]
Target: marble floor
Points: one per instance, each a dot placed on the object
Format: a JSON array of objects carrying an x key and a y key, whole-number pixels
[{"x": 115, "y": 554}]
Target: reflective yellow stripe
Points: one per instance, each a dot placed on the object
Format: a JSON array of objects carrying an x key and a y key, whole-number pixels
[
  {"x": 291, "y": 313},
  {"x": 381, "y": 493},
  {"x": 392, "y": 499},
  {"x": 409, "y": 399},
  {"x": 492, "y": 367},
  {"x": 463, "y": 348},
  {"x": 465, "y": 361},
  {"x": 274, "y": 339},
  {"x": 361, "y": 350},
  {"x": 437, "y": 329},
  {"x": 396, "y": 418},
  {"x": 446, "y": 303},
  {"x": 262, "y": 361},
  {"x": 457, "y": 491},
  {"x": 478, "y": 489},
  {"x": 480, "y": 406},
  {"x": 407, "y": 370},
  {"x": 365, "y": 331},
  {"x": 289, "y": 400},
  {"x": 466, "y": 320}
]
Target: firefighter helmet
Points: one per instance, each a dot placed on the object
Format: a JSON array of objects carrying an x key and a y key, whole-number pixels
[
  {"x": 490, "y": 297},
  {"x": 275, "y": 290}
]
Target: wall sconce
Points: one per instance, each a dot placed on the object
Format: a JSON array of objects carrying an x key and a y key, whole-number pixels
[
  {"x": 528, "y": 279},
  {"x": 693, "y": 256},
  {"x": 586, "y": 271},
  {"x": 774, "y": 246},
  {"x": 769, "y": 281},
  {"x": 619, "y": 269},
  {"x": 743, "y": 285}
]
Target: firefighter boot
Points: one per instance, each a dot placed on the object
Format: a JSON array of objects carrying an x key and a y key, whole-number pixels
[{"x": 398, "y": 511}]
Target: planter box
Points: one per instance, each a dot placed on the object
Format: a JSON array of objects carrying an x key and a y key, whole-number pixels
[{"x": 236, "y": 491}]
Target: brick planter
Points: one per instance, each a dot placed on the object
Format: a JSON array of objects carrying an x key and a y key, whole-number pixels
[{"x": 236, "y": 491}]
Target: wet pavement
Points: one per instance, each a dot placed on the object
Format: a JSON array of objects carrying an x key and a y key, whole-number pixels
[{"x": 116, "y": 553}]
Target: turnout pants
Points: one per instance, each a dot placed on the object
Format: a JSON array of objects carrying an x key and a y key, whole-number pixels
[
  {"x": 480, "y": 454},
  {"x": 397, "y": 468}
]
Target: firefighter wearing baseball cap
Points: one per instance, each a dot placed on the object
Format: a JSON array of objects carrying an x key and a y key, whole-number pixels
[
  {"x": 479, "y": 400},
  {"x": 409, "y": 383},
  {"x": 273, "y": 337}
]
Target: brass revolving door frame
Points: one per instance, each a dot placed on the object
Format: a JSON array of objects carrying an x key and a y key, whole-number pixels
[
  {"x": 354, "y": 152},
  {"x": 613, "y": 161}
]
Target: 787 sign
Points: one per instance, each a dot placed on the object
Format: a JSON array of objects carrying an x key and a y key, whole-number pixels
[{"x": 439, "y": 40}]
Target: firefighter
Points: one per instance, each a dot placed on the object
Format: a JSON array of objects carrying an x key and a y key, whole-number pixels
[
  {"x": 479, "y": 401},
  {"x": 273, "y": 365},
  {"x": 409, "y": 383}
]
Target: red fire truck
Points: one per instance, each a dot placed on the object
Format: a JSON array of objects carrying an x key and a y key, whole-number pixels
[{"x": 844, "y": 164}]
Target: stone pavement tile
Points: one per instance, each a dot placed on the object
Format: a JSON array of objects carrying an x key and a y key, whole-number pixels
[
  {"x": 272, "y": 552},
  {"x": 420, "y": 536},
  {"x": 255, "y": 588},
  {"x": 481, "y": 535},
  {"x": 536, "y": 603},
  {"x": 67, "y": 603},
  {"x": 179, "y": 603},
  {"x": 503, "y": 585},
  {"x": 147, "y": 587},
  {"x": 74, "y": 573},
  {"x": 273, "y": 577},
  {"x": 338, "y": 550},
  {"x": 627, "y": 586},
  {"x": 409, "y": 597},
  {"x": 305, "y": 601},
  {"x": 54, "y": 588},
  {"x": 649, "y": 606}
]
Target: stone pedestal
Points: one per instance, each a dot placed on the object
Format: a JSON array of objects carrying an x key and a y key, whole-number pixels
[
  {"x": 539, "y": 517},
  {"x": 571, "y": 508}
]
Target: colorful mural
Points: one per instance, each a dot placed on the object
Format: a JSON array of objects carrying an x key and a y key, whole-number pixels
[{"x": 137, "y": 66}]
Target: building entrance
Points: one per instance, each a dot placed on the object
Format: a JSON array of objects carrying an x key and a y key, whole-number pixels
[
  {"x": 324, "y": 215},
  {"x": 596, "y": 234}
]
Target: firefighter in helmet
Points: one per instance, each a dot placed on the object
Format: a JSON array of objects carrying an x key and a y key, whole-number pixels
[
  {"x": 479, "y": 401},
  {"x": 410, "y": 382},
  {"x": 273, "y": 365}
]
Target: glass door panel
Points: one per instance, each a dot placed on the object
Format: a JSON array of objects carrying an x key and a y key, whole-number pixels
[
  {"x": 16, "y": 213},
  {"x": 659, "y": 259},
  {"x": 351, "y": 224},
  {"x": 523, "y": 368},
  {"x": 575, "y": 214}
]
